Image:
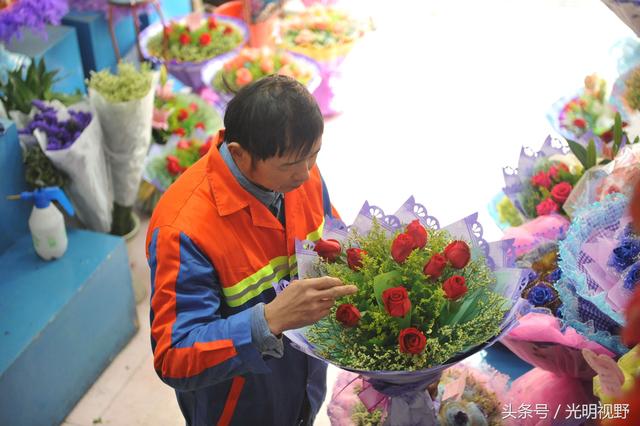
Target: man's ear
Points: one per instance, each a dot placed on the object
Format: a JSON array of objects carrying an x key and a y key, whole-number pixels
[{"x": 239, "y": 154}]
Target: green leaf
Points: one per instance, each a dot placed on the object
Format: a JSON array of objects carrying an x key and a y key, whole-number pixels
[
  {"x": 605, "y": 162},
  {"x": 617, "y": 133},
  {"x": 579, "y": 151},
  {"x": 591, "y": 155},
  {"x": 383, "y": 282}
]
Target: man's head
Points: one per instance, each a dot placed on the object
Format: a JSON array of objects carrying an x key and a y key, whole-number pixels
[{"x": 274, "y": 130}]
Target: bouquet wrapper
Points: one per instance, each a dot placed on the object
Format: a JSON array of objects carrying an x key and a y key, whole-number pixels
[
  {"x": 403, "y": 391},
  {"x": 86, "y": 165},
  {"x": 562, "y": 375},
  {"x": 189, "y": 73},
  {"x": 628, "y": 11},
  {"x": 127, "y": 135},
  {"x": 531, "y": 235},
  {"x": 593, "y": 296}
]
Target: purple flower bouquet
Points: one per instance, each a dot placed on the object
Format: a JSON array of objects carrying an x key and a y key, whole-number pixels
[
  {"x": 72, "y": 140},
  {"x": 32, "y": 14}
]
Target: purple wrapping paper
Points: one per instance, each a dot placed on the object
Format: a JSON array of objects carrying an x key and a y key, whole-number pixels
[{"x": 190, "y": 73}]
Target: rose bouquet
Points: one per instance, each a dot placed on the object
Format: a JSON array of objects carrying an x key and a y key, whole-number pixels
[
  {"x": 124, "y": 104},
  {"x": 181, "y": 114},
  {"x": 427, "y": 298},
  {"x": 327, "y": 35},
  {"x": 72, "y": 140},
  {"x": 166, "y": 163},
  {"x": 588, "y": 112},
  {"x": 543, "y": 180},
  {"x": 32, "y": 14},
  {"x": 186, "y": 46},
  {"x": 600, "y": 262},
  {"x": 227, "y": 75},
  {"x": 463, "y": 392}
]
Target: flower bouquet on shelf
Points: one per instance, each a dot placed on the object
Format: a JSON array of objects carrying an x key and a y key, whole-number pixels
[
  {"x": 427, "y": 298},
  {"x": 124, "y": 104},
  {"x": 327, "y": 35},
  {"x": 589, "y": 112},
  {"x": 165, "y": 163},
  {"x": 72, "y": 140},
  {"x": 16, "y": 15},
  {"x": 26, "y": 84},
  {"x": 181, "y": 113},
  {"x": 476, "y": 394},
  {"x": 187, "y": 45},
  {"x": 227, "y": 75}
]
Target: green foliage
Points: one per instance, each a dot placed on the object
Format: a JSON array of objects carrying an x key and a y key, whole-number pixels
[
  {"x": 508, "y": 213},
  {"x": 35, "y": 83},
  {"x": 40, "y": 172},
  {"x": 127, "y": 85},
  {"x": 449, "y": 327},
  {"x": 632, "y": 92},
  {"x": 194, "y": 52}
]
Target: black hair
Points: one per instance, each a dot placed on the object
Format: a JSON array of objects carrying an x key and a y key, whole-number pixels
[{"x": 273, "y": 116}]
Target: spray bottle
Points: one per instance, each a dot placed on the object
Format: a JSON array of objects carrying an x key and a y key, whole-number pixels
[{"x": 46, "y": 223}]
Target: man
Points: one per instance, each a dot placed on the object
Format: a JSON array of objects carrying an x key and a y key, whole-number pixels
[{"x": 219, "y": 238}]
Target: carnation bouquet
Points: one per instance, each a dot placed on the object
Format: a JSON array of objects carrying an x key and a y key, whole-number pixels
[
  {"x": 72, "y": 140},
  {"x": 15, "y": 15},
  {"x": 181, "y": 113},
  {"x": 187, "y": 45},
  {"x": 228, "y": 74},
  {"x": 587, "y": 112},
  {"x": 427, "y": 298},
  {"x": 327, "y": 35},
  {"x": 124, "y": 104}
]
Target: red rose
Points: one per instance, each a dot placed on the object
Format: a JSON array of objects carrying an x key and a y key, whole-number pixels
[
  {"x": 193, "y": 106},
  {"x": 199, "y": 125},
  {"x": 205, "y": 39},
  {"x": 227, "y": 30},
  {"x": 547, "y": 206},
  {"x": 411, "y": 341},
  {"x": 173, "y": 165},
  {"x": 348, "y": 315},
  {"x": 454, "y": 287},
  {"x": 579, "y": 122},
  {"x": 180, "y": 132},
  {"x": 402, "y": 247},
  {"x": 185, "y": 38},
  {"x": 329, "y": 250},
  {"x": 458, "y": 254},
  {"x": 435, "y": 266},
  {"x": 212, "y": 23},
  {"x": 354, "y": 258},
  {"x": 205, "y": 148},
  {"x": 418, "y": 233},
  {"x": 396, "y": 301},
  {"x": 541, "y": 179},
  {"x": 561, "y": 191},
  {"x": 183, "y": 114},
  {"x": 183, "y": 144}
]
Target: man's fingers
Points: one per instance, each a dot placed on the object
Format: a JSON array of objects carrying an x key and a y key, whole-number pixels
[
  {"x": 339, "y": 291},
  {"x": 322, "y": 283}
]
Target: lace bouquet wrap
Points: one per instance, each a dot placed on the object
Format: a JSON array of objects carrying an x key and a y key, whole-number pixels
[
  {"x": 428, "y": 298},
  {"x": 600, "y": 268}
]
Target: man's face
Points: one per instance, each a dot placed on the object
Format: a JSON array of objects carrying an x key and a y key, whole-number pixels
[{"x": 285, "y": 173}]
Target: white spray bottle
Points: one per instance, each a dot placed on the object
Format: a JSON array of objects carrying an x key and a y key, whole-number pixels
[{"x": 46, "y": 223}]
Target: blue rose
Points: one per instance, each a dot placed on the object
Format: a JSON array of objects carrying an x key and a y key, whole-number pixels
[
  {"x": 540, "y": 295},
  {"x": 633, "y": 277},
  {"x": 625, "y": 254},
  {"x": 555, "y": 275}
]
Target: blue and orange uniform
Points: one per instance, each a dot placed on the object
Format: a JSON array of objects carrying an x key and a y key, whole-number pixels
[{"x": 215, "y": 250}]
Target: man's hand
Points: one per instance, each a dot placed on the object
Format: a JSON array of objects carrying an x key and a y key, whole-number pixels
[{"x": 304, "y": 302}]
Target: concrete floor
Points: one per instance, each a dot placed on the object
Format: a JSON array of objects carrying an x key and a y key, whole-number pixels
[{"x": 436, "y": 101}]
